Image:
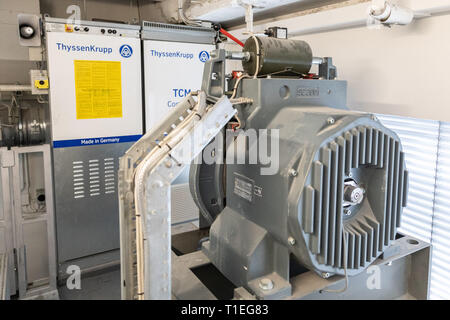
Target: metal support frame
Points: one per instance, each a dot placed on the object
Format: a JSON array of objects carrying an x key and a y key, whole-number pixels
[
  {"x": 327, "y": 70},
  {"x": 127, "y": 213},
  {"x": 146, "y": 172},
  {"x": 10, "y": 173},
  {"x": 403, "y": 271}
]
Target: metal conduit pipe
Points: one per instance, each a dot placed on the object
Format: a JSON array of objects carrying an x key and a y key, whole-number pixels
[{"x": 14, "y": 87}]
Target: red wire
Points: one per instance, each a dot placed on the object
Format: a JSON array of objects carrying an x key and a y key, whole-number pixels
[{"x": 229, "y": 35}]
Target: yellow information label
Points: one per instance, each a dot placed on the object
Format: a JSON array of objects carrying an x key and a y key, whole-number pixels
[{"x": 98, "y": 89}]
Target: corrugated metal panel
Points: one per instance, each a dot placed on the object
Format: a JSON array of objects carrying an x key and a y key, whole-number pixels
[
  {"x": 427, "y": 147},
  {"x": 420, "y": 144},
  {"x": 440, "y": 270}
]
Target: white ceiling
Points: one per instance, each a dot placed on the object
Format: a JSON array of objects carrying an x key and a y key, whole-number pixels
[
  {"x": 233, "y": 9},
  {"x": 225, "y": 11}
]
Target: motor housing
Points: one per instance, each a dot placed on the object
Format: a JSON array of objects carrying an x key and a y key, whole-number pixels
[{"x": 341, "y": 174}]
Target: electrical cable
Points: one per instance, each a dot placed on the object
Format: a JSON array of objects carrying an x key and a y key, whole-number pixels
[
  {"x": 236, "y": 85},
  {"x": 229, "y": 35},
  {"x": 41, "y": 100},
  {"x": 185, "y": 19},
  {"x": 138, "y": 10},
  {"x": 233, "y": 95}
]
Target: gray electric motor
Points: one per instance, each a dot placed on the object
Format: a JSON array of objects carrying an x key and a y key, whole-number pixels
[{"x": 333, "y": 206}]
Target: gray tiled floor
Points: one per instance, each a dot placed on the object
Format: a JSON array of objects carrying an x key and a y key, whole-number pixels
[
  {"x": 105, "y": 285},
  {"x": 101, "y": 286}
]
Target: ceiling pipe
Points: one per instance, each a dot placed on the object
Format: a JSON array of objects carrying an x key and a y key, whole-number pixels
[
  {"x": 389, "y": 14},
  {"x": 353, "y": 16}
]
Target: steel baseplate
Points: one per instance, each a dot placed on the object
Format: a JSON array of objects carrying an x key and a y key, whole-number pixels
[{"x": 402, "y": 272}]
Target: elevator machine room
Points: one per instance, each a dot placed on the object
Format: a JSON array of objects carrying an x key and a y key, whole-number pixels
[{"x": 96, "y": 115}]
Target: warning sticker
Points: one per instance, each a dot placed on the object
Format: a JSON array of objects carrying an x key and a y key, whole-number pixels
[
  {"x": 243, "y": 188},
  {"x": 98, "y": 89}
]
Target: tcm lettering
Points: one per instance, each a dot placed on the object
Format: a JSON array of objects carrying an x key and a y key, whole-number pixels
[
  {"x": 180, "y": 93},
  {"x": 174, "y": 54},
  {"x": 89, "y": 48}
]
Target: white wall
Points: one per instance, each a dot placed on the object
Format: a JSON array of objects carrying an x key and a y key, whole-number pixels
[{"x": 402, "y": 70}]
